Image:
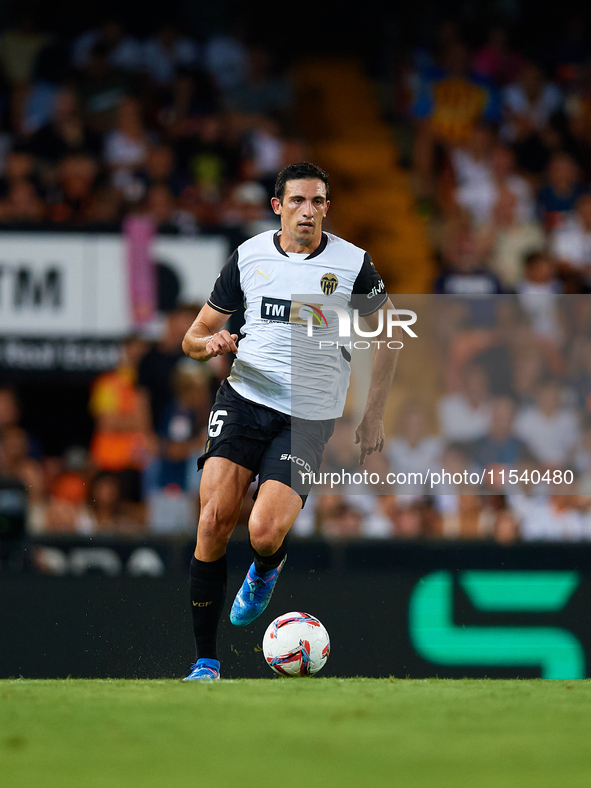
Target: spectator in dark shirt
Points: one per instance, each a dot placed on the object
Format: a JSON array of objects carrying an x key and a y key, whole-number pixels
[
  {"x": 559, "y": 196},
  {"x": 124, "y": 51},
  {"x": 65, "y": 134},
  {"x": 101, "y": 88},
  {"x": 161, "y": 206},
  {"x": 76, "y": 178},
  {"x": 464, "y": 274},
  {"x": 160, "y": 169},
  {"x": 182, "y": 429},
  {"x": 16, "y": 464},
  {"x": 19, "y": 167},
  {"x": 499, "y": 446},
  {"x": 466, "y": 277},
  {"x": 157, "y": 366},
  {"x": 263, "y": 93},
  {"x": 167, "y": 51},
  {"x": 194, "y": 95},
  {"x": 22, "y": 204}
]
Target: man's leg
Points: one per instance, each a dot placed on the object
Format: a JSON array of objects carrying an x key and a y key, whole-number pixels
[
  {"x": 223, "y": 487},
  {"x": 283, "y": 489},
  {"x": 275, "y": 511}
]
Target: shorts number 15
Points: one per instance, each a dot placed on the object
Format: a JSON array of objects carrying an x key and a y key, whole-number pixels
[{"x": 216, "y": 423}]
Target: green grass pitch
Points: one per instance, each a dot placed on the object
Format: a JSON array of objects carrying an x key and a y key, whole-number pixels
[{"x": 295, "y": 732}]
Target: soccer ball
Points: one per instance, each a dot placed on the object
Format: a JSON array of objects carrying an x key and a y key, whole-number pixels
[{"x": 296, "y": 644}]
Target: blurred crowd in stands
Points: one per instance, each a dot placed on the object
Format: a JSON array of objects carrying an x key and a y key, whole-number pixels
[
  {"x": 501, "y": 167},
  {"x": 105, "y": 123},
  {"x": 496, "y": 441},
  {"x": 502, "y": 157},
  {"x": 139, "y": 474},
  {"x": 509, "y": 405},
  {"x": 193, "y": 133}
]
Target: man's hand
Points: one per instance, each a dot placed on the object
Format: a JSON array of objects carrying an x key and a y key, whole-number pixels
[
  {"x": 220, "y": 343},
  {"x": 370, "y": 433},
  {"x": 370, "y": 436},
  {"x": 207, "y": 337}
]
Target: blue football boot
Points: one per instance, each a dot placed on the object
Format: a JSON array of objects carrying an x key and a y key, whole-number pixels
[
  {"x": 204, "y": 670},
  {"x": 254, "y": 595}
]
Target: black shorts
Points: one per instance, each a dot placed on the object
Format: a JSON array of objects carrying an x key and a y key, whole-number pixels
[{"x": 271, "y": 444}]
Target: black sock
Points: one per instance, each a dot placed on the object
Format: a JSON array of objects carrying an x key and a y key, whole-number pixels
[
  {"x": 265, "y": 563},
  {"x": 208, "y": 593}
]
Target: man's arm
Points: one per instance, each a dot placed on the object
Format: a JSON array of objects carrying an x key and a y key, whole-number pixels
[
  {"x": 206, "y": 338},
  {"x": 370, "y": 433}
]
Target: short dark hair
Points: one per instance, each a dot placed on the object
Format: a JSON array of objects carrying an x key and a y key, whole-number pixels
[{"x": 303, "y": 170}]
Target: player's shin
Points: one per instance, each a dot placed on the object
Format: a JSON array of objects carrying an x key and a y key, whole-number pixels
[
  {"x": 208, "y": 593},
  {"x": 265, "y": 563}
]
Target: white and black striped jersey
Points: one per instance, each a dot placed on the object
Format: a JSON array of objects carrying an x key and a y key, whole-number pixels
[{"x": 278, "y": 364}]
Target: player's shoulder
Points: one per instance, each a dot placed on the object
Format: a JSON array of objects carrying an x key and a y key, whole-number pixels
[
  {"x": 257, "y": 243},
  {"x": 336, "y": 242}
]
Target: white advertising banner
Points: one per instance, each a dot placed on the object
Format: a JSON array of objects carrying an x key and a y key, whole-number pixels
[{"x": 76, "y": 285}]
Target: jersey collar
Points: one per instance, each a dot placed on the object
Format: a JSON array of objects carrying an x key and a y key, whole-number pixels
[{"x": 319, "y": 249}]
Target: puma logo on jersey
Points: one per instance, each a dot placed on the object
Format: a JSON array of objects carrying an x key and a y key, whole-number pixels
[{"x": 262, "y": 273}]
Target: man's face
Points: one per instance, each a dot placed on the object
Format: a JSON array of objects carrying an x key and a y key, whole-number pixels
[{"x": 303, "y": 208}]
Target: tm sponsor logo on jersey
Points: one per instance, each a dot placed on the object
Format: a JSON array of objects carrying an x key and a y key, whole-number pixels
[{"x": 283, "y": 311}]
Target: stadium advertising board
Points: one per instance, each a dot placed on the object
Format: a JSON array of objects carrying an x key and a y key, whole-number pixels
[
  {"x": 65, "y": 298},
  {"x": 76, "y": 285},
  {"x": 400, "y": 609}
]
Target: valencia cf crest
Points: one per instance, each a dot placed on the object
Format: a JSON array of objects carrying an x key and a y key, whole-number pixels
[{"x": 329, "y": 284}]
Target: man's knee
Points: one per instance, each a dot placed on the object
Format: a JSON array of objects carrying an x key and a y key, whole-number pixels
[
  {"x": 265, "y": 537},
  {"x": 215, "y": 524}
]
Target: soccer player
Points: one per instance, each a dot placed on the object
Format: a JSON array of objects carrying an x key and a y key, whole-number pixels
[{"x": 253, "y": 427}]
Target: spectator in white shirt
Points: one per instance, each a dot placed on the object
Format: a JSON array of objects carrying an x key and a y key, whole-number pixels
[
  {"x": 508, "y": 238},
  {"x": 465, "y": 416},
  {"x": 126, "y": 147},
  {"x": 537, "y": 296},
  {"x": 529, "y": 103},
  {"x": 247, "y": 207},
  {"x": 413, "y": 450},
  {"x": 471, "y": 164},
  {"x": 571, "y": 243},
  {"x": 554, "y": 518},
  {"x": 480, "y": 195},
  {"x": 549, "y": 430}
]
